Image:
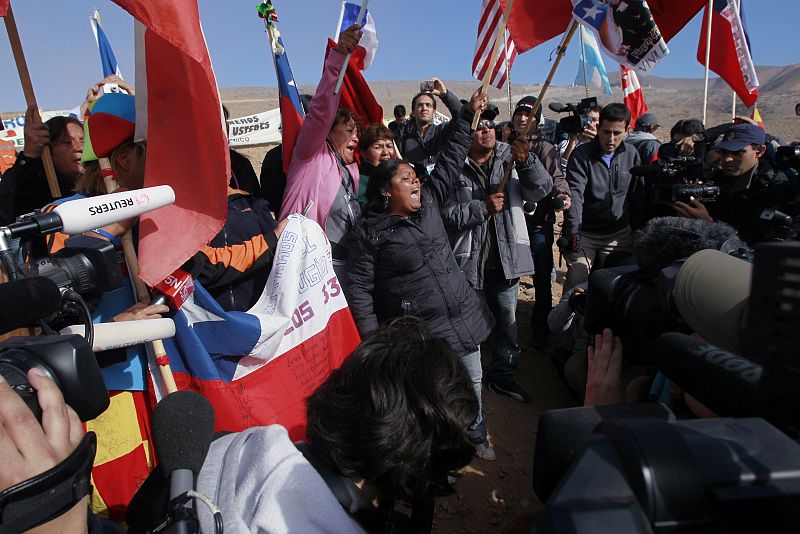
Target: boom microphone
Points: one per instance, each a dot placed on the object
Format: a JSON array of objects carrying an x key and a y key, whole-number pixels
[
  {"x": 27, "y": 300},
  {"x": 183, "y": 427},
  {"x": 558, "y": 107},
  {"x": 82, "y": 215},
  {"x": 108, "y": 336},
  {"x": 647, "y": 170}
]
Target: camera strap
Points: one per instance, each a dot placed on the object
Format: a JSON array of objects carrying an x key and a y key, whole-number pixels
[{"x": 46, "y": 496}]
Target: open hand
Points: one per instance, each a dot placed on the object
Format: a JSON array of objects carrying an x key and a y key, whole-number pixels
[
  {"x": 694, "y": 209},
  {"x": 603, "y": 385}
]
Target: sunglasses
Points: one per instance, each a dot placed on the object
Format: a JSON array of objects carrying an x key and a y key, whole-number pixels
[{"x": 485, "y": 124}]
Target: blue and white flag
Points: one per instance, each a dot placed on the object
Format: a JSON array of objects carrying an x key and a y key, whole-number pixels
[
  {"x": 627, "y": 31},
  {"x": 107, "y": 57},
  {"x": 365, "y": 51},
  {"x": 591, "y": 63}
]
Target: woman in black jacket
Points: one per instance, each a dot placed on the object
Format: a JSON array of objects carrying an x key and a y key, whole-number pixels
[{"x": 401, "y": 262}]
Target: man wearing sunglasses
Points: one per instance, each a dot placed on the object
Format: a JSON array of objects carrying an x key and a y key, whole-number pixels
[{"x": 489, "y": 236}]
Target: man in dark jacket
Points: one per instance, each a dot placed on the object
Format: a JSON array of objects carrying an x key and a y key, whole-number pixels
[
  {"x": 607, "y": 200},
  {"x": 540, "y": 220},
  {"x": 489, "y": 235},
  {"x": 643, "y": 138},
  {"x": 423, "y": 140},
  {"x": 750, "y": 189}
]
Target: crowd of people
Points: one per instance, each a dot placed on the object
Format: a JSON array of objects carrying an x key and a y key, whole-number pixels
[{"x": 431, "y": 228}]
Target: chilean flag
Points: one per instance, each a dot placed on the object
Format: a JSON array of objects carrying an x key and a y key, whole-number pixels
[
  {"x": 179, "y": 113},
  {"x": 632, "y": 92},
  {"x": 107, "y": 58},
  {"x": 368, "y": 45},
  {"x": 730, "y": 50},
  {"x": 259, "y": 367},
  {"x": 292, "y": 114}
]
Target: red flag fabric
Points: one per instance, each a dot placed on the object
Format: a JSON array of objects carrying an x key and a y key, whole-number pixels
[
  {"x": 186, "y": 143},
  {"x": 3, "y": 7},
  {"x": 355, "y": 94},
  {"x": 730, "y": 52},
  {"x": 533, "y": 22},
  {"x": 632, "y": 91}
]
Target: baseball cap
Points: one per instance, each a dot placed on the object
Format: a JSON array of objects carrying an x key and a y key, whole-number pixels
[
  {"x": 490, "y": 113},
  {"x": 647, "y": 120},
  {"x": 711, "y": 293},
  {"x": 739, "y": 136}
]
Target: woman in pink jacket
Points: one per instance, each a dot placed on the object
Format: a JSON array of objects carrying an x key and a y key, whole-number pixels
[{"x": 323, "y": 167}]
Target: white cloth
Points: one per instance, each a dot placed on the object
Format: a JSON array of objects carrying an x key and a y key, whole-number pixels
[{"x": 262, "y": 483}]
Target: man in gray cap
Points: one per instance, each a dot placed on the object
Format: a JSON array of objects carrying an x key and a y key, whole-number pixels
[
  {"x": 754, "y": 197},
  {"x": 643, "y": 139}
]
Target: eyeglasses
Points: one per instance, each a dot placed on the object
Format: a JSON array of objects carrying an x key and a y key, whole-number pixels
[{"x": 485, "y": 124}]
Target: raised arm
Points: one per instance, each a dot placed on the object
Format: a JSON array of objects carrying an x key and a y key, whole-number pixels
[{"x": 536, "y": 182}]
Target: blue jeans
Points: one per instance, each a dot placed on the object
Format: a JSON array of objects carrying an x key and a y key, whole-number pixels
[
  {"x": 542, "y": 250},
  {"x": 501, "y": 297},
  {"x": 472, "y": 363}
]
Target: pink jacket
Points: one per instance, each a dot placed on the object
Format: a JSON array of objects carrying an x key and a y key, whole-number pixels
[{"x": 314, "y": 173}]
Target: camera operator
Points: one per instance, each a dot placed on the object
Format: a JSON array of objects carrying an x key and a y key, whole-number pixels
[
  {"x": 750, "y": 189},
  {"x": 540, "y": 222},
  {"x": 566, "y": 146},
  {"x": 682, "y": 137},
  {"x": 607, "y": 200},
  {"x": 29, "y": 448}
]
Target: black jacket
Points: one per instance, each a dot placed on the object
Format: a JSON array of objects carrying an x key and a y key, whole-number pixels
[
  {"x": 24, "y": 188},
  {"x": 604, "y": 201},
  {"x": 425, "y": 151},
  {"x": 405, "y": 266}
]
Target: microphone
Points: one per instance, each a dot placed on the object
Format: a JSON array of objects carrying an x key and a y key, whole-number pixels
[
  {"x": 558, "y": 107},
  {"x": 647, "y": 170},
  {"x": 82, "y": 215},
  {"x": 174, "y": 290},
  {"x": 728, "y": 384},
  {"x": 115, "y": 335},
  {"x": 27, "y": 300},
  {"x": 183, "y": 428}
]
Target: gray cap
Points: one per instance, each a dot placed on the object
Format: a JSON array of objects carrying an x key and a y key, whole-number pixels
[{"x": 646, "y": 120}]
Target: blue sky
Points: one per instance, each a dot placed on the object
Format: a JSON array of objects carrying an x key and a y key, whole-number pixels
[{"x": 417, "y": 39}]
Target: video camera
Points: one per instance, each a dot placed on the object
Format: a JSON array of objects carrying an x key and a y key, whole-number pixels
[
  {"x": 633, "y": 468},
  {"x": 579, "y": 121},
  {"x": 788, "y": 157},
  {"x": 680, "y": 179}
]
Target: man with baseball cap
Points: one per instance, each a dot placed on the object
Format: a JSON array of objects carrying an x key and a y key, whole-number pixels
[
  {"x": 540, "y": 220},
  {"x": 754, "y": 197},
  {"x": 642, "y": 138}
]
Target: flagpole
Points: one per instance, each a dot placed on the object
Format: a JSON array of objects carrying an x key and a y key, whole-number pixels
[
  {"x": 561, "y": 51},
  {"x": 583, "y": 60},
  {"x": 508, "y": 75},
  {"x": 362, "y": 13},
  {"x": 709, "y": 9},
  {"x": 30, "y": 97},
  {"x": 733, "y": 105},
  {"x": 501, "y": 31}
]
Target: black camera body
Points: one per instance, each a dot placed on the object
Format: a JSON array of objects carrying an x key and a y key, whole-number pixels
[
  {"x": 67, "y": 360},
  {"x": 788, "y": 157},
  {"x": 679, "y": 179},
  {"x": 578, "y": 122}
]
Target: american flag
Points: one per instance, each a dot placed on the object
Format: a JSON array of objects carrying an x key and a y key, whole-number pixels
[{"x": 491, "y": 15}]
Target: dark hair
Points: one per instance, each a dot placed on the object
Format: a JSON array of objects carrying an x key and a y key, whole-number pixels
[
  {"x": 416, "y": 96},
  {"x": 399, "y": 110},
  {"x": 381, "y": 178},
  {"x": 689, "y": 127},
  {"x": 396, "y": 413},
  {"x": 225, "y": 112},
  {"x": 616, "y": 112},
  {"x": 597, "y": 108},
  {"x": 343, "y": 116},
  {"x": 372, "y": 133},
  {"x": 58, "y": 128}
]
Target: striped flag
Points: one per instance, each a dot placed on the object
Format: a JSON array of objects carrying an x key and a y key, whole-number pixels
[
  {"x": 107, "y": 58},
  {"x": 491, "y": 15},
  {"x": 368, "y": 45},
  {"x": 591, "y": 63},
  {"x": 632, "y": 92}
]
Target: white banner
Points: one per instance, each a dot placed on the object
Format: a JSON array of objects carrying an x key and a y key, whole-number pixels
[
  {"x": 259, "y": 129},
  {"x": 13, "y": 127}
]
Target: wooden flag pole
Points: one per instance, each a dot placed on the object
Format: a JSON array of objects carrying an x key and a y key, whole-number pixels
[
  {"x": 362, "y": 13},
  {"x": 561, "y": 51},
  {"x": 141, "y": 291},
  {"x": 499, "y": 38},
  {"x": 30, "y": 97},
  {"x": 709, "y": 8}
]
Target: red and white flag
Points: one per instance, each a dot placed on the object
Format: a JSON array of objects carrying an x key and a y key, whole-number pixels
[
  {"x": 730, "y": 50},
  {"x": 632, "y": 91},
  {"x": 179, "y": 114},
  {"x": 491, "y": 15}
]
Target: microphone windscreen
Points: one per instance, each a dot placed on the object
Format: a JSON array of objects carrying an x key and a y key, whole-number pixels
[
  {"x": 78, "y": 216},
  {"x": 112, "y": 335},
  {"x": 556, "y": 106},
  {"x": 183, "y": 427},
  {"x": 23, "y": 302}
]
